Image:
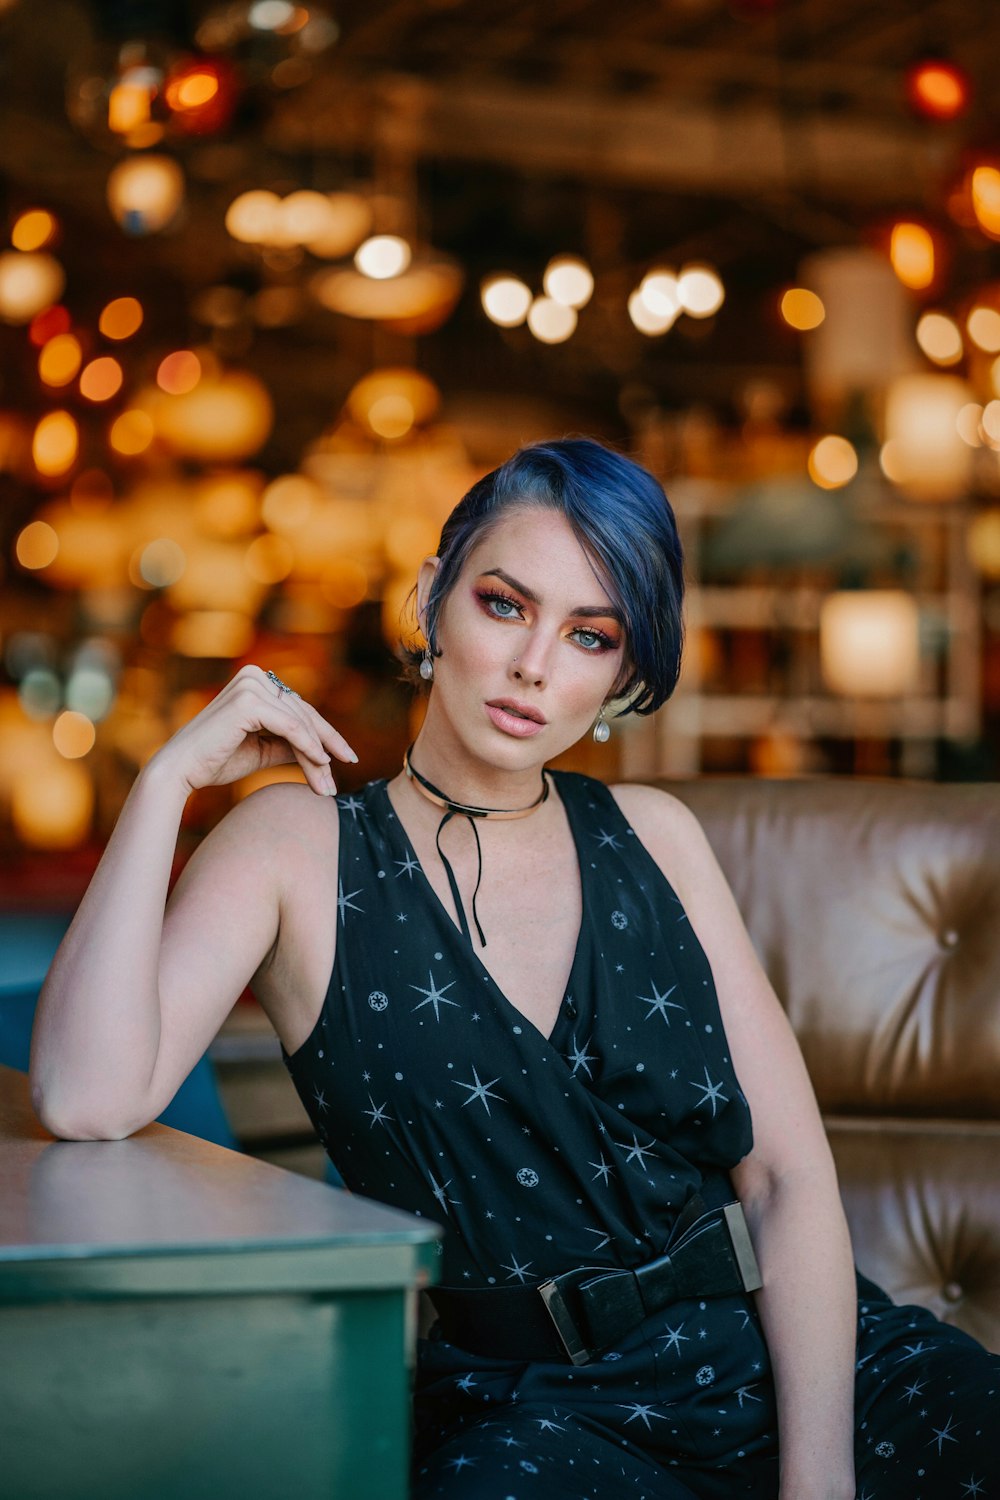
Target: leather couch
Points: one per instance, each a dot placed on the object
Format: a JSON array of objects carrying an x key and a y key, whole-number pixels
[{"x": 875, "y": 908}]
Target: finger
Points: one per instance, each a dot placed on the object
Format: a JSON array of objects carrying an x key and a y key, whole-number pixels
[
  {"x": 330, "y": 737},
  {"x": 306, "y": 747}
]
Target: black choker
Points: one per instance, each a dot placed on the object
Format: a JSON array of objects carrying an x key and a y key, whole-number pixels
[{"x": 440, "y": 799}]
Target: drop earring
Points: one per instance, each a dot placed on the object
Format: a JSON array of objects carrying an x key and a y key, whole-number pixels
[
  {"x": 427, "y": 665},
  {"x": 602, "y": 729}
]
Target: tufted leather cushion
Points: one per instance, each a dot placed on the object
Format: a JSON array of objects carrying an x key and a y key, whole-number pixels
[{"x": 875, "y": 908}]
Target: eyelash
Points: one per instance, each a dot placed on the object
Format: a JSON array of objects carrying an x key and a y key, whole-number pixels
[{"x": 491, "y": 596}]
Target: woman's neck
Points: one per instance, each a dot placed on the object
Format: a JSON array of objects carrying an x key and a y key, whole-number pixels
[{"x": 443, "y": 760}]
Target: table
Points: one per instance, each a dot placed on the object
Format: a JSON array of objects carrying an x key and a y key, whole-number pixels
[{"x": 179, "y": 1320}]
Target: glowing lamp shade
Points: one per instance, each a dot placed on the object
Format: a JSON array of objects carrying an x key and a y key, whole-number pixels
[
  {"x": 145, "y": 192},
  {"x": 218, "y": 421},
  {"x": 30, "y": 281},
  {"x": 52, "y": 805},
  {"x": 416, "y": 301},
  {"x": 865, "y": 340},
  {"x": 869, "y": 643},
  {"x": 505, "y": 300},
  {"x": 928, "y": 456},
  {"x": 550, "y": 321},
  {"x": 569, "y": 280}
]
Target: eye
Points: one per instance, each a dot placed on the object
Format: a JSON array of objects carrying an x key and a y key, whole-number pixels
[
  {"x": 594, "y": 640},
  {"x": 501, "y": 606}
]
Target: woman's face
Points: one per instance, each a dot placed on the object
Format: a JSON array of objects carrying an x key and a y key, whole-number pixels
[{"x": 531, "y": 641}]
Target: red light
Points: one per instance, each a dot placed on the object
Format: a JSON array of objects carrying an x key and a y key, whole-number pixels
[
  {"x": 937, "y": 89},
  {"x": 200, "y": 93},
  {"x": 45, "y": 325}
]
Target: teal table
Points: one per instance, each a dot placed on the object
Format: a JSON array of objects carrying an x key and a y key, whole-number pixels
[{"x": 178, "y": 1320}]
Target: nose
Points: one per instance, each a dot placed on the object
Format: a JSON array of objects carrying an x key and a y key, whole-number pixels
[{"x": 532, "y": 665}]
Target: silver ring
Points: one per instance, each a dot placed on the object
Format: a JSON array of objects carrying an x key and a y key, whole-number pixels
[{"x": 281, "y": 686}]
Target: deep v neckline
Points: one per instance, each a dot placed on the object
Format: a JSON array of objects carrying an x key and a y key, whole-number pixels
[{"x": 446, "y": 914}]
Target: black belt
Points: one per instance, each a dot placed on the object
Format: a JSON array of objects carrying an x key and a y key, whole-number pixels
[{"x": 578, "y": 1314}]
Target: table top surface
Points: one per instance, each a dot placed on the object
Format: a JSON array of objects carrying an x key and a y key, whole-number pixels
[{"x": 161, "y": 1191}]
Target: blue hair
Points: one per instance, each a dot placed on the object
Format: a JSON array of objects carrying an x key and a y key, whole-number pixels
[{"x": 622, "y": 517}]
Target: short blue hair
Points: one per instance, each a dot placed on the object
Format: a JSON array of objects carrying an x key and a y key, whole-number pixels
[{"x": 622, "y": 517}]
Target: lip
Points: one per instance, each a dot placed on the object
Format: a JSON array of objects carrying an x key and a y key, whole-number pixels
[{"x": 498, "y": 711}]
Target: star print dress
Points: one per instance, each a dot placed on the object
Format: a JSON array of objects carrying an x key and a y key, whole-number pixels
[{"x": 431, "y": 1091}]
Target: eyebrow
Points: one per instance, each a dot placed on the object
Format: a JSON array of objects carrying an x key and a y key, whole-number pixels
[{"x": 587, "y": 611}]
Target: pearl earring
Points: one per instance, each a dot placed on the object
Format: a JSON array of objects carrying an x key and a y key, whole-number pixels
[
  {"x": 602, "y": 729},
  {"x": 427, "y": 665}
]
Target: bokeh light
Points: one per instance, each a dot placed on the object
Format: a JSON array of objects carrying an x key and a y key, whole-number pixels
[
  {"x": 179, "y": 372},
  {"x": 911, "y": 250},
  {"x": 940, "y": 338},
  {"x": 967, "y": 423},
  {"x": 382, "y": 256},
  {"x": 645, "y": 319},
  {"x": 700, "y": 291},
  {"x": 505, "y": 300},
  {"x": 101, "y": 379},
  {"x": 145, "y": 192},
  {"x": 30, "y": 281},
  {"x": 937, "y": 89},
  {"x": 833, "y": 462},
  {"x": 983, "y": 327},
  {"x": 802, "y": 309},
  {"x": 550, "y": 321},
  {"x": 55, "y": 444},
  {"x": 132, "y": 432},
  {"x": 161, "y": 562},
  {"x": 985, "y": 184},
  {"x": 269, "y": 559},
  {"x": 60, "y": 360},
  {"x": 73, "y": 734},
  {"x": 33, "y": 230},
  {"x": 569, "y": 280},
  {"x": 48, "y": 324},
  {"x": 37, "y": 545},
  {"x": 121, "y": 318}
]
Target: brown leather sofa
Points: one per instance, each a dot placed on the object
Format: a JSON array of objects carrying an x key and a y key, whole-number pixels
[{"x": 875, "y": 908}]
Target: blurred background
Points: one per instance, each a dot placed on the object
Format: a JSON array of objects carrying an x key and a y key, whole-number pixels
[{"x": 278, "y": 281}]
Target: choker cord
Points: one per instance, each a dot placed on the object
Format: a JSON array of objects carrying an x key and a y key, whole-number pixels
[{"x": 472, "y": 812}]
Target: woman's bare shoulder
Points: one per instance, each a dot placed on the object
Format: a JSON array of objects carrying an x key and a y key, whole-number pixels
[
  {"x": 656, "y": 814},
  {"x": 276, "y": 829}
]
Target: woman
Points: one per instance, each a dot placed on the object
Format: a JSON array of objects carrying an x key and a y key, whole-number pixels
[{"x": 525, "y": 1004}]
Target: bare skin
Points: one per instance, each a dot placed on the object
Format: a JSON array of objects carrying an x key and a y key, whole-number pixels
[{"x": 140, "y": 985}]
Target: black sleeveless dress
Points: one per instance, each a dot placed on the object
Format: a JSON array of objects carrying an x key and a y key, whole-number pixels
[{"x": 431, "y": 1091}]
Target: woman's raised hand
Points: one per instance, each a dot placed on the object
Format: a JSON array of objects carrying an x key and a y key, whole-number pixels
[{"x": 254, "y": 723}]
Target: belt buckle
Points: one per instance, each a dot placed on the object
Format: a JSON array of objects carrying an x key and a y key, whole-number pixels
[
  {"x": 742, "y": 1247},
  {"x": 551, "y": 1293}
]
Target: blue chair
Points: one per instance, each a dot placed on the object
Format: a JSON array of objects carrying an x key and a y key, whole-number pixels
[{"x": 28, "y": 941}]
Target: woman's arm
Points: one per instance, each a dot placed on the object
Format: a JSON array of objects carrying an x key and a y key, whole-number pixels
[
  {"x": 787, "y": 1183},
  {"x": 138, "y": 988}
]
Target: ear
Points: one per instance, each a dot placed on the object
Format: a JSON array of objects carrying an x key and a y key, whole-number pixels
[{"x": 425, "y": 578}]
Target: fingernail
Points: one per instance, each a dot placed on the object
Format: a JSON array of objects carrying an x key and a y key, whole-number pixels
[
  {"x": 354, "y": 758},
  {"x": 330, "y": 784}
]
